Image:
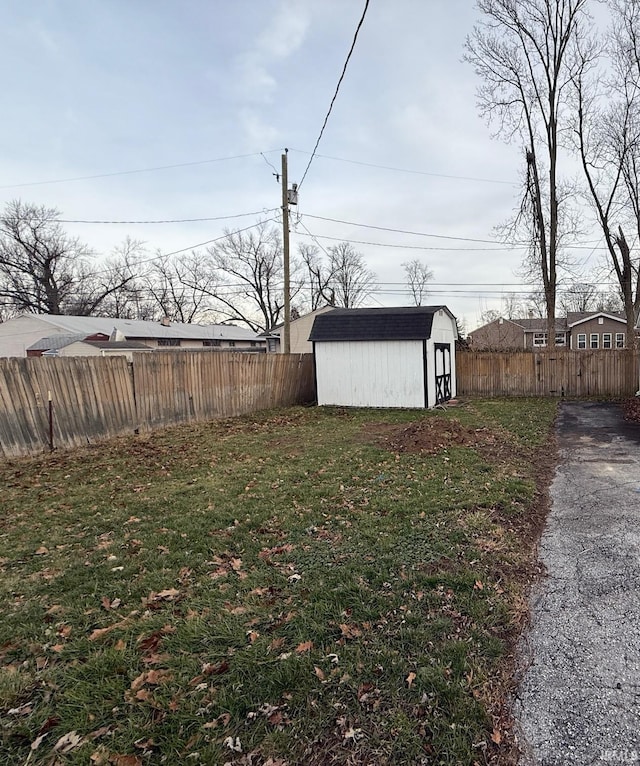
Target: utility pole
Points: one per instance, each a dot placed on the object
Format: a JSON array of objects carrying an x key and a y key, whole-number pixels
[{"x": 285, "y": 245}]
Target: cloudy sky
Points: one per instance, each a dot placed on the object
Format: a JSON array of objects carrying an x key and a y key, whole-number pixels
[{"x": 95, "y": 89}]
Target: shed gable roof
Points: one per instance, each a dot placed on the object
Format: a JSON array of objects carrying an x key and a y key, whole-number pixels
[{"x": 404, "y": 323}]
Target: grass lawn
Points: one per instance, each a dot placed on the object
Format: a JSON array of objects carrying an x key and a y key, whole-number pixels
[{"x": 301, "y": 587}]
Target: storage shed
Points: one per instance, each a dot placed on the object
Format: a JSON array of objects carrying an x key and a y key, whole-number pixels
[{"x": 385, "y": 357}]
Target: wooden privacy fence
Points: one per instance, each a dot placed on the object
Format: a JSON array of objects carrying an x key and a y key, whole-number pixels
[
  {"x": 95, "y": 398},
  {"x": 547, "y": 373}
]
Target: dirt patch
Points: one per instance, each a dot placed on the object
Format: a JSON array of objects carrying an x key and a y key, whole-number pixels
[{"x": 430, "y": 435}]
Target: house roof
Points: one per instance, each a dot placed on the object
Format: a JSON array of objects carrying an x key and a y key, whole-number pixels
[
  {"x": 53, "y": 342},
  {"x": 138, "y": 328},
  {"x": 397, "y": 323},
  {"x": 575, "y": 317},
  {"x": 276, "y": 329},
  {"x": 129, "y": 345},
  {"x": 563, "y": 324}
]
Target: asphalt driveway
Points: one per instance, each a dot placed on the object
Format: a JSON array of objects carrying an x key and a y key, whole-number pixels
[{"x": 579, "y": 699}]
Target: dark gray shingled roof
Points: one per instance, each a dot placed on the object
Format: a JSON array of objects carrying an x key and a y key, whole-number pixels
[{"x": 404, "y": 323}]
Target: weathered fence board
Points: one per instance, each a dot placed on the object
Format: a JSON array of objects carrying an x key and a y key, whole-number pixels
[
  {"x": 96, "y": 398},
  {"x": 84, "y": 406},
  {"x": 560, "y": 372},
  {"x": 174, "y": 388}
]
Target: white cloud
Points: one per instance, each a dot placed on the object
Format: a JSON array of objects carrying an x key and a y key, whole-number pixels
[
  {"x": 257, "y": 133},
  {"x": 286, "y": 31}
]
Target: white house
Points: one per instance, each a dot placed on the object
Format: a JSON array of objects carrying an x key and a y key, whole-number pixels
[
  {"x": 385, "y": 357},
  {"x": 19, "y": 334}
]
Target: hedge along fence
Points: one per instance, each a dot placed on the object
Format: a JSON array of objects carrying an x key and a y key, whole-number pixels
[
  {"x": 94, "y": 398},
  {"x": 559, "y": 372}
]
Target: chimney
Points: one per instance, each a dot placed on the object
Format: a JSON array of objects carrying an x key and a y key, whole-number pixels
[
  {"x": 531, "y": 313},
  {"x": 165, "y": 322}
]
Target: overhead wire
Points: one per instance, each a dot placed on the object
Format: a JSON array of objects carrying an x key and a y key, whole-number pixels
[
  {"x": 335, "y": 95},
  {"x": 408, "y": 170},
  {"x": 412, "y": 247},
  {"x": 172, "y": 220},
  {"x": 138, "y": 170},
  {"x": 160, "y": 256},
  {"x": 428, "y": 234}
]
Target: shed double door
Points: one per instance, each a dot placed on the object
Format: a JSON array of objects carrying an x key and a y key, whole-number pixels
[{"x": 443, "y": 372}]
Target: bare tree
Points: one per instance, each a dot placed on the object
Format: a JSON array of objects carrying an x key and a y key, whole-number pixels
[
  {"x": 607, "y": 137},
  {"x": 44, "y": 270},
  {"x": 524, "y": 51},
  {"x": 180, "y": 288},
  {"x": 38, "y": 261},
  {"x": 417, "y": 276},
  {"x": 318, "y": 277},
  {"x": 248, "y": 274},
  {"x": 113, "y": 288},
  {"x": 579, "y": 296},
  {"x": 351, "y": 279}
]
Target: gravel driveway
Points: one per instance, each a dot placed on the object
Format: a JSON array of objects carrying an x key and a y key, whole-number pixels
[{"x": 579, "y": 699}]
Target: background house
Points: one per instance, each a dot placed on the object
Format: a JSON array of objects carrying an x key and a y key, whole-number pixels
[
  {"x": 20, "y": 334},
  {"x": 590, "y": 330},
  {"x": 78, "y": 347},
  {"x": 298, "y": 333},
  {"x": 386, "y": 357}
]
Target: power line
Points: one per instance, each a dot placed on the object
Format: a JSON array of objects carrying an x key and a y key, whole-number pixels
[
  {"x": 139, "y": 170},
  {"x": 190, "y": 247},
  {"x": 335, "y": 95},
  {"x": 435, "y": 236},
  {"x": 408, "y": 170},
  {"x": 409, "y": 247},
  {"x": 174, "y": 220}
]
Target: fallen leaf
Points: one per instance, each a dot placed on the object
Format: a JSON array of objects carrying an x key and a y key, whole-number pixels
[
  {"x": 99, "y": 732},
  {"x": 253, "y": 635},
  {"x": 277, "y": 643},
  {"x": 236, "y": 564},
  {"x": 305, "y": 646},
  {"x": 25, "y": 709},
  {"x": 496, "y": 737},
  {"x": 478, "y": 585},
  {"x": 410, "y": 678},
  {"x": 144, "y": 744},
  {"x": 156, "y": 677},
  {"x": 319, "y": 672},
  {"x": 350, "y": 631},
  {"x": 51, "y": 722},
  {"x": 218, "y": 669},
  {"x": 276, "y": 719},
  {"x": 57, "y": 648},
  {"x": 138, "y": 682},
  {"x": 99, "y": 632},
  {"x": 166, "y": 595},
  {"x": 36, "y": 742},
  {"x": 222, "y": 720},
  {"x": 143, "y": 695},
  {"x": 125, "y": 760},
  {"x": 41, "y": 551},
  {"x": 68, "y": 742}
]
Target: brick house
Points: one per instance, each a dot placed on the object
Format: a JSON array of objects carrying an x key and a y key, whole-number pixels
[{"x": 579, "y": 331}]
